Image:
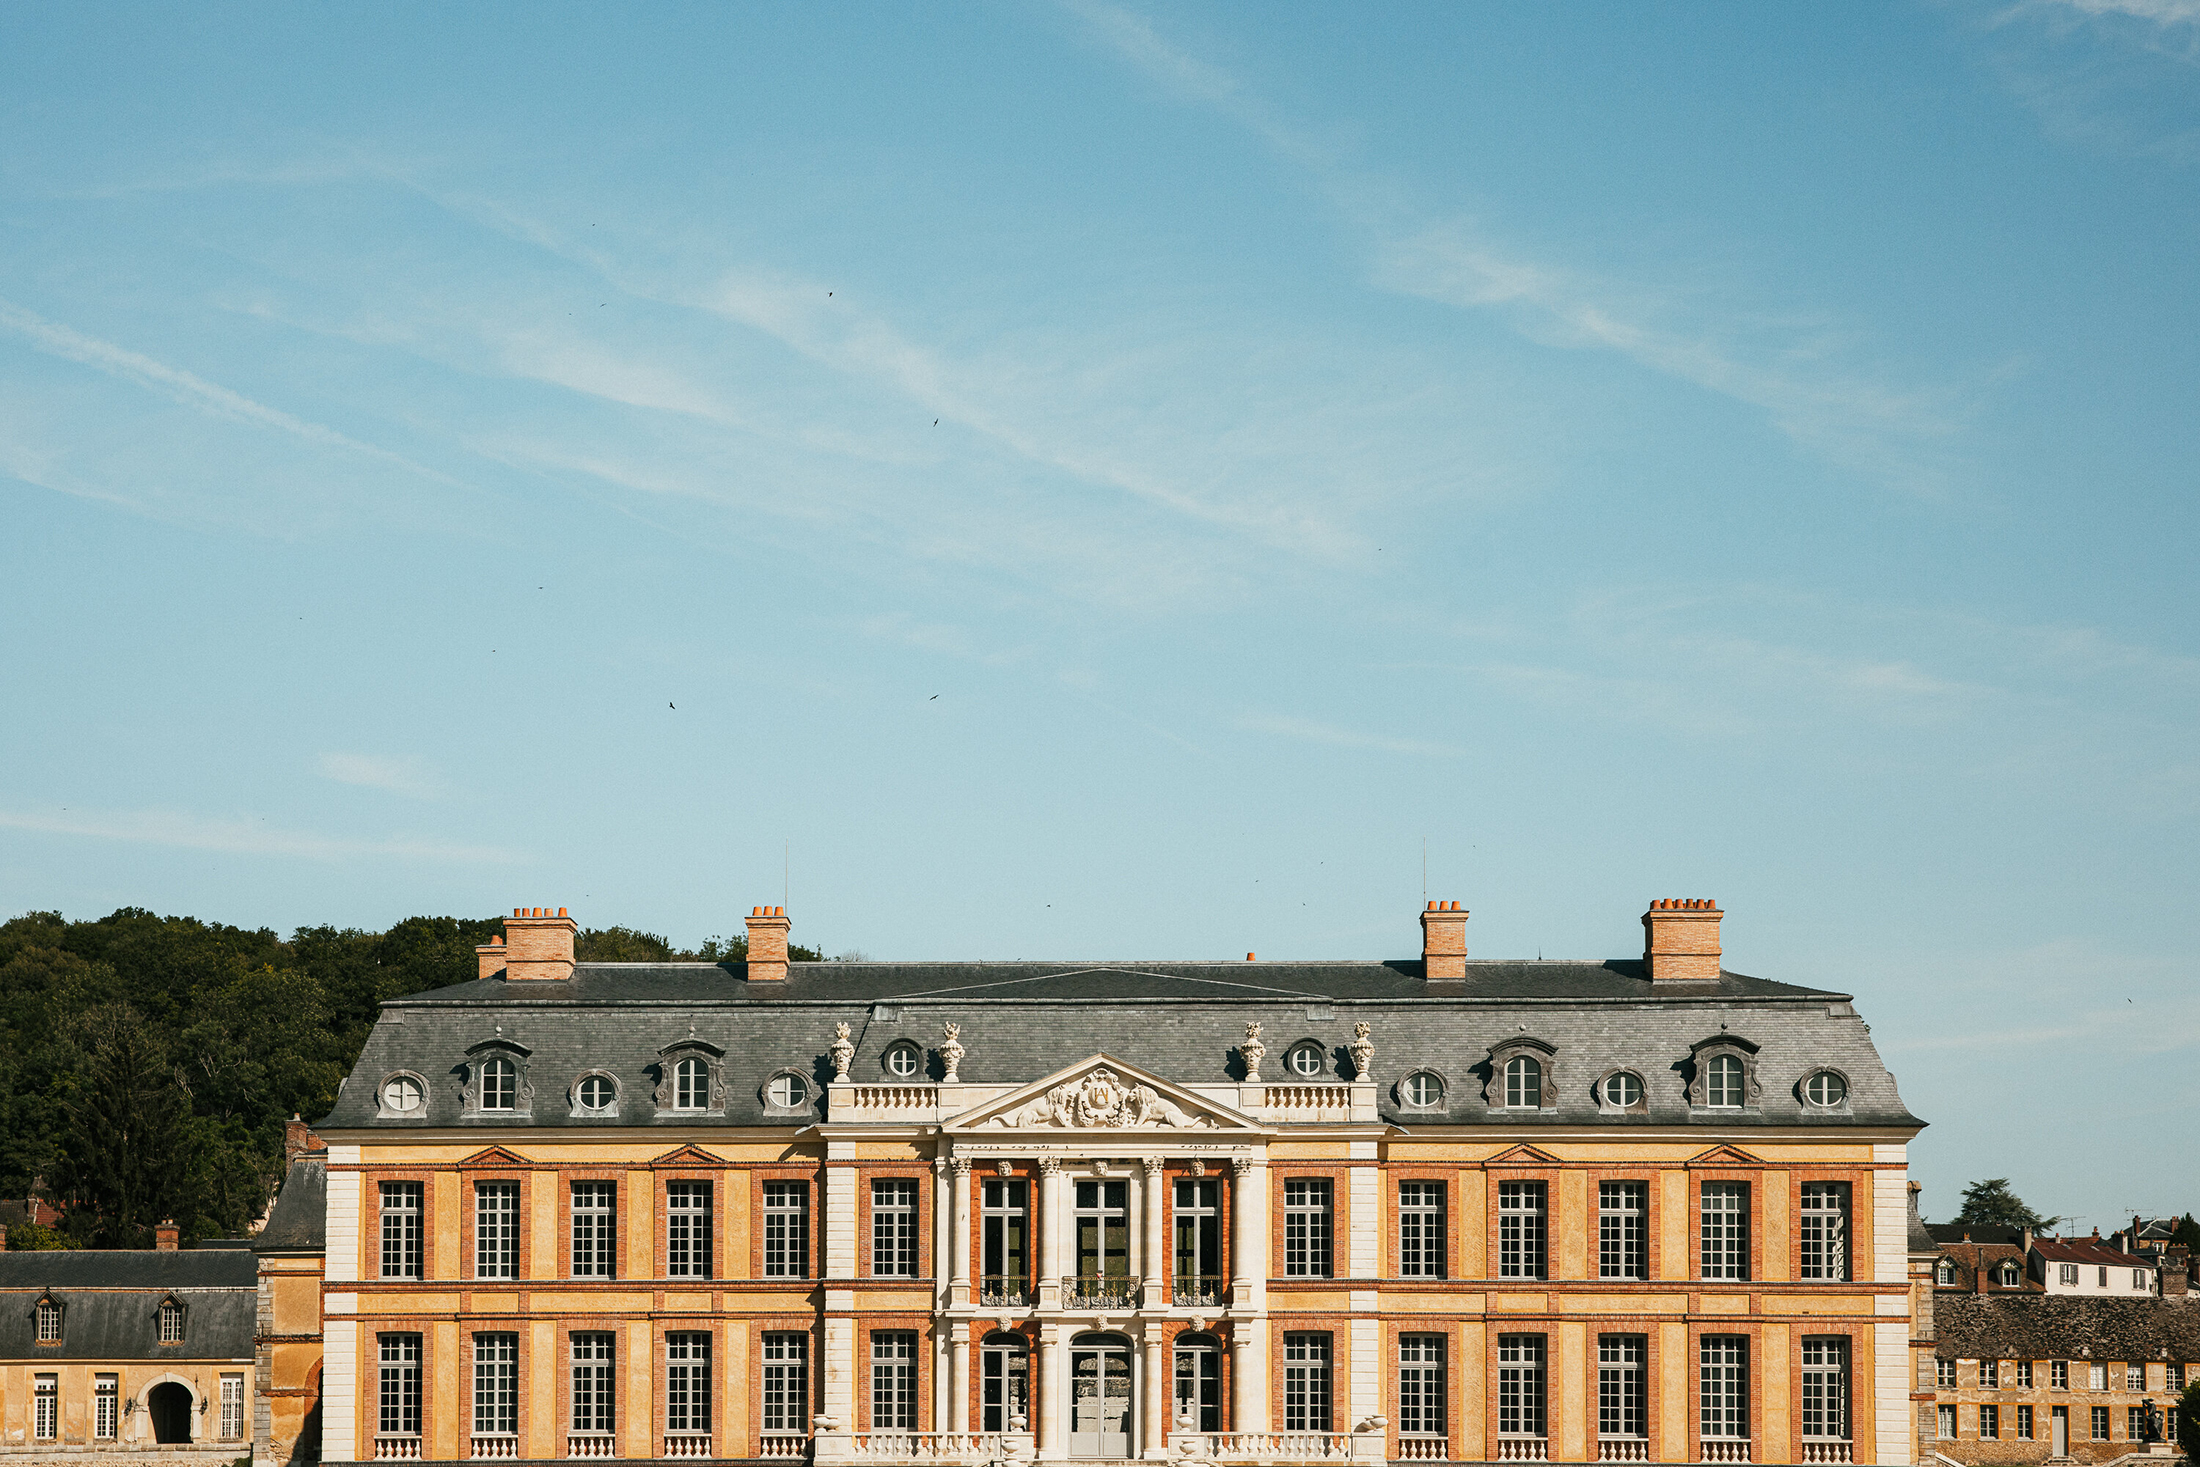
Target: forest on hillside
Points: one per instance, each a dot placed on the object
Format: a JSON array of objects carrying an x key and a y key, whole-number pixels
[{"x": 148, "y": 1063}]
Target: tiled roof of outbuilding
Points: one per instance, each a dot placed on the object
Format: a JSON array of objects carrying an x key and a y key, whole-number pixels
[
  {"x": 1180, "y": 1020},
  {"x": 2088, "y": 1250},
  {"x": 1969, "y": 1258},
  {"x": 2015, "y": 1326},
  {"x": 110, "y": 1302}
]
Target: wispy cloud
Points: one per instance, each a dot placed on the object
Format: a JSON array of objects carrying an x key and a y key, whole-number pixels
[
  {"x": 399, "y": 776},
  {"x": 187, "y": 388},
  {"x": 1789, "y": 374},
  {"x": 2160, "y": 12},
  {"x": 245, "y": 837},
  {"x": 1309, "y": 731}
]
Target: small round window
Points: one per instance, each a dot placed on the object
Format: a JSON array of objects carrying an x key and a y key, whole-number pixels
[
  {"x": 903, "y": 1061},
  {"x": 1306, "y": 1059},
  {"x": 786, "y": 1091},
  {"x": 1622, "y": 1091},
  {"x": 1825, "y": 1088},
  {"x": 597, "y": 1093},
  {"x": 1423, "y": 1090},
  {"x": 402, "y": 1094}
]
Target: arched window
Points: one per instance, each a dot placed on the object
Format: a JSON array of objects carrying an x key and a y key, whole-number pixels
[
  {"x": 499, "y": 1085},
  {"x": 171, "y": 1322},
  {"x": 691, "y": 1085},
  {"x": 1523, "y": 1083},
  {"x": 1947, "y": 1275},
  {"x": 1723, "y": 1082}
]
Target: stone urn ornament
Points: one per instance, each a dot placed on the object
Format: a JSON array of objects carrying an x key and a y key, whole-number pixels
[
  {"x": 951, "y": 1051},
  {"x": 1363, "y": 1052},
  {"x": 1252, "y": 1051},
  {"x": 843, "y": 1051}
]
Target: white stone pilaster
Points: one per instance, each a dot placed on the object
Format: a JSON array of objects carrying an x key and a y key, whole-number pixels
[
  {"x": 1366, "y": 1396},
  {"x": 1249, "y": 1236},
  {"x": 1153, "y": 1394},
  {"x": 1363, "y": 1222},
  {"x": 1053, "y": 1226},
  {"x": 339, "y": 1381},
  {"x": 958, "y": 1400},
  {"x": 1249, "y": 1369},
  {"x": 839, "y": 1222},
  {"x": 958, "y": 1183},
  {"x": 1157, "y": 1242},
  {"x": 837, "y": 1371},
  {"x": 1052, "y": 1371}
]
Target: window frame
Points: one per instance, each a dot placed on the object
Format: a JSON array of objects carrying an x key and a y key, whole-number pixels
[
  {"x": 1424, "y": 1364},
  {"x": 1747, "y": 1243},
  {"x": 1523, "y": 1232},
  {"x": 902, "y": 1371},
  {"x": 1520, "y": 1386},
  {"x": 910, "y": 1048},
  {"x": 46, "y": 1406},
  {"x": 608, "y": 1236},
  {"x": 382, "y": 1108},
  {"x": 422, "y": 1228},
  {"x": 1316, "y": 1226},
  {"x": 1831, "y": 1378},
  {"x": 1623, "y": 1385},
  {"x": 1736, "y": 1387},
  {"x": 1305, "y": 1047},
  {"x": 1429, "y": 1106},
  {"x": 700, "y": 1256},
  {"x": 603, "y": 1381},
  {"x": 515, "y": 1231},
  {"x": 173, "y": 1321},
  {"x": 473, "y": 1091},
  {"x": 791, "y": 1372},
  {"x": 1646, "y": 1234},
  {"x": 801, "y": 1233},
  {"x": 580, "y": 1109},
  {"x": 400, "y": 1377},
  {"x": 915, "y": 1241},
  {"x": 1810, "y": 1081},
  {"x": 1310, "y": 1377},
  {"x": 1837, "y": 1248},
  {"x": 1498, "y": 1092},
  {"x": 106, "y": 1407},
  {"x": 1428, "y": 1253},
  {"x": 688, "y": 1357},
  {"x": 493, "y": 1394},
  {"x": 1608, "y": 1104},
  {"x": 1702, "y": 1055},
  {"x": 665, "y": 1095}
]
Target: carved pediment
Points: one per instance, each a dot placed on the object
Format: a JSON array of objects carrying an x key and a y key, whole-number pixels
[
  {"x": 496, "y": 1156},
  {"x": 1722, "y": 1156},
  {"x": 1101, "y": 1094},
  {"x": 687, "y": 1156},
  {"x": 1522, "y": 1155}
]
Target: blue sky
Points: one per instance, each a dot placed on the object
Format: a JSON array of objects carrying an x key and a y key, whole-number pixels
[{"x": 1080, "y": 480}]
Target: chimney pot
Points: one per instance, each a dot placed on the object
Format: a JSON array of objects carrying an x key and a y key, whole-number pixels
[
  {"x": 166, "y": 1235},
  {"x": 1248, "y": 957},
  {"x": 1681, "y": 948},
  {"x": 561, "y": 911}
]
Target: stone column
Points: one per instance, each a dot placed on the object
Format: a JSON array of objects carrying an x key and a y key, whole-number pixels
[
  {"x": 1249, "y": 1374},
  {"x": 1249, "y": 1235},
  {"x": 1153, "y": 1400},
  {"x": 1050, "y": 1373},
  {"x": 942, "y": 1296},
  {"x": 1052, "y": 1225},
  {"x": 1157, "y": 1241},
  {"x": 958, "y": 1400},
  {"x": 959, "y": 1235}
]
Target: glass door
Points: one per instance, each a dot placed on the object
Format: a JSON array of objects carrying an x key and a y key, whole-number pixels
[
  {"x": 1004, "y": 1382},
  {"x": 1198, "y": 1244},
  {"x": 1100, "y": 1401},
  {"x": 1103, "y": 1247},
  {"x": 1005, "y": 1279},
  {"x": 1198, "y": 1384}
]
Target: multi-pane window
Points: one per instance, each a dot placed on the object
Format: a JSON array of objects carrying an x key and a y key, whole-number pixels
[
  {"x": 786, "y": 1230},
  {"x": 2135, "y": 1377},
  {"x": 496, "y": 1385},
  {"x": 2067, "y": 1274},
  {"x": 171, "y": 1322},
  {"x": 2100, "y": 1423},
  {"x": 1198, "y": 1216},
  {"x": 1725, "y": 1250},
  {"x": 2097, "y": 1377},
  {"x": 1945, "y": 1428},
  {"x": 1421, "y": 1385},
  {"x": 1989, "y": 1375},
  {"x": 399, "y": 1396},
  {"x": 1421, "y": 1230},
  {"x": 786, "y": 1382},
  {"x": 1825, "y": 1230},
  {"x": 687, "y": 1230},
  {"x": 691, "y": 1085},
  {"x": 1520, "y": 1382},
  {"x": 401, "y": 1230},
  {"x": 1944, "y": 1374},
  {"x": 894, "y": 1228},
  {"x": 1826, "y": 1386},
  {"x": 1521, "y": 1231},
  {"x": 106, "y": 1393},
  {"x": 232, "y": 1417},
  {"x": 499, "y": 1085},
  {"x": 46, "y": 1407},
  {"x": 49, "y": 1321},
  {"x": 1306, "y": 1382},
  {"x": 1623, "y": 1231},
  {"x": 1722, "y": 1087},
  {"x": 496, "y": 1230},
  {"x": 2135, "y": 1423},
  {"x": 1005, "y": 1238},
  {"x": 687, "y": 1382},
  {"x": 893, "y": 1381},
  {"x": 2175, "y": 1371},
  {"x": 595, "y": 1385},
  {"x": 1622, "y": 1399},
  {"x": 1523, "y": 1083},
  {"x": 1723, "y": 1376},
  {"x": 2058, "y": 1375},
  {"x": 2024, "y": 1375},
  {"x": 1103, "y": 1238},
  {"x": 2024, "y": 1423},
  {"x": 595, "y": 1230},
  {"x": 1989, "y": 1423},
  {"x": 1306, "y": 1231}
]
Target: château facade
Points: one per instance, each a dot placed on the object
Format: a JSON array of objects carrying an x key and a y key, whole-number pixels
[{"x": 1436, "y": 1209}]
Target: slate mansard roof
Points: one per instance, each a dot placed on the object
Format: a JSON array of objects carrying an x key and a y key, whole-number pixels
[
  {"x": 1182, "y": 1021},
  {"x": 110, "y": 1303}
]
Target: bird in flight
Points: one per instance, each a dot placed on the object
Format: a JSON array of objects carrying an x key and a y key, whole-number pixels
[
  {"x": 933, "y": 699},
  {"x": 672, "y": 705}
]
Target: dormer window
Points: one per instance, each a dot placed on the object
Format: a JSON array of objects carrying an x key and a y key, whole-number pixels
[
  {"x": 1523, "y": 1083},
  {"x": 1826, "y": 1089},
  {"x": 1304, "y": 1060},
  {"x": 786, "y": 1090},
  {"x": 403, "y": 1095},
  {"x": 691, "y": 1078},
  {"x": 1723, "y": 1083},
  {"x": 499, "y": 1085},
  {"x": 1947, "y": 1275},
  {"x": 903, "y": 1060},
  {"x": 1725, "y": 1074},
  {"x": 690, "y": 1085},
  {"x": 171, "y": 1321},
  {"x": 49, "y": 1321},
  {"x": 2007, "y": 1276},
  {"x": 596, "y": 1094},
  {"x": 1421, "y": 1090}
]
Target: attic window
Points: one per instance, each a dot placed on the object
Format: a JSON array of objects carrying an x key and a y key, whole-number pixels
[
  {"x": 1826, "y": 1089},
  {"x": 171, "y": 1322},
  {"x": 903, "y": 1060},
  {"x": 2007, "y": 1276},
  {"x": 1304, "y": 1060},
  {"x": 49, "y": 1321},
  {"x": 403, "y": 1095},
  {"x": 1523, "y": 1083},
  {"x": 691, "y": 1085},
  {"x": 1723, "y": 1083},
  {"x": 499, "y": 1085},
  {"x": 1947, "y": 1274}
]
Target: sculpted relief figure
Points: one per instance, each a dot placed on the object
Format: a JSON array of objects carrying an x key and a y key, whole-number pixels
[{"x": 1101, "y": 1098}]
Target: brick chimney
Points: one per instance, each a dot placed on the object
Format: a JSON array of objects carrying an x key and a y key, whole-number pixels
[
  {"x": 1680, "y": 940},
  {"x": 768, "y": 944},
  {"x": 538, "y": 945},
  {"x": 166, "y": 1235},
  {"x": 491, "y": 956},
  {"x": 2176, "y": 1271},
  {"x": 298, "y": 1139},
  {"x": 1443, "y": 942}
]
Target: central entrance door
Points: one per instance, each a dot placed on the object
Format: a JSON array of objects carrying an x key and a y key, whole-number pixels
[
  {"x": 2061, "y": 1423},
  {"x": 1100, "y": 1397}
]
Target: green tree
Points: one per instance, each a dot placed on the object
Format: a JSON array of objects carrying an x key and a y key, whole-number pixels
[
  {"x": 623, "y": 945},
  {"x": 1993, "y": 1203},
  {"x": 36, "y": 1238},
  {"x": 127, "y": 1138},
  {"x": 2187, "y": 1232},
  {"x": 2188, "y": 1420}
]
